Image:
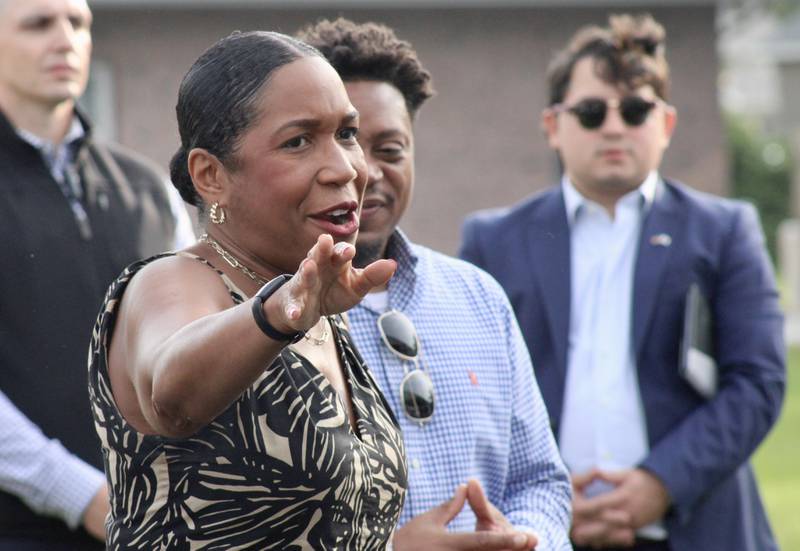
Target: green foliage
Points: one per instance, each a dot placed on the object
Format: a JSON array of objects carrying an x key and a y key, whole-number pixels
[
  {"x": 761, "y": 172},
  {"x": 776, "y": 463},
  {"x": 784, "y": 8}
]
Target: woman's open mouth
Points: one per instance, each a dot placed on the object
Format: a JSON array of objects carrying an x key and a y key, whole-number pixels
[{"x": 340, "y": 220}]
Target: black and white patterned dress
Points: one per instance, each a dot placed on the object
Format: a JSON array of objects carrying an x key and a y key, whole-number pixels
[{"x": 281, "y": 468}]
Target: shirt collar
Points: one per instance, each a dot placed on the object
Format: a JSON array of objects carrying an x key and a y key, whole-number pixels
[
  {"x": 401, "y": 286},
  {"x": 50, "y": 151},
  {"x": 573, "y": 200},
  {"x": 400, "y": 250},
  {"x": 75, "y": 133}
]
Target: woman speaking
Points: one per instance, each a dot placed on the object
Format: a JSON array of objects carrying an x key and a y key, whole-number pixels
[{"x": 233, "y": 409}]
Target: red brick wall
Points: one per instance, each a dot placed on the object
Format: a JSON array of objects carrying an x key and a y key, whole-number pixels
[{"x": 478, "y": 142}]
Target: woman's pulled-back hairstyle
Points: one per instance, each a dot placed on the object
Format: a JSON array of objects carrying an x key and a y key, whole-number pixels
[
  {"x": 218, "y": 97},
  {"x": 371, "y": 51},
  {"x": 629, "y": 52}
]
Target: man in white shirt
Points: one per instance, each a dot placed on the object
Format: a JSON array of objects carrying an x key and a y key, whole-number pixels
[{"x": 598, "y": 270}]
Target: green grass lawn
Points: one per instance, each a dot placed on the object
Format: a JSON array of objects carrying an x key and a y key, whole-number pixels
[{"x": 777, "y": 464}]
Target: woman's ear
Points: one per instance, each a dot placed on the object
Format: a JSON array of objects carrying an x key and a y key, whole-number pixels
[{"x": 209, "y": 176}]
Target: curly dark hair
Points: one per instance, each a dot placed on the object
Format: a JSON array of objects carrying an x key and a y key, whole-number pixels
[
  {"x": 371, "y": 51},
  {"x": 629, "y": 52}
]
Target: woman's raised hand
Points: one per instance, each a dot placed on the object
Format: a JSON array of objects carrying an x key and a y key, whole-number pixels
[{"x": 327, "y": 283}]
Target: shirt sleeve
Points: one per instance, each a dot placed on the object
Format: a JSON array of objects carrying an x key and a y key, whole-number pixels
[
  {"x": 40, "y": 471},
  {"x": 184, "y": 230},
  {"x": 538, "y": 493}
]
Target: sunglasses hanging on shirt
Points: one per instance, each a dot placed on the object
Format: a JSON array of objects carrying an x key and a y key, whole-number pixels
[
  {"x": 416, "y": 388},
  {"x": 591, "y": 112}
]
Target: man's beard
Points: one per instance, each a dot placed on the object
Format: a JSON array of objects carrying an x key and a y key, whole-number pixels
[{"x": 367, "y": 253}]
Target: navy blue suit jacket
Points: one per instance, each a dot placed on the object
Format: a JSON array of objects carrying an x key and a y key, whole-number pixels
[{"x": 699, "y": 448}]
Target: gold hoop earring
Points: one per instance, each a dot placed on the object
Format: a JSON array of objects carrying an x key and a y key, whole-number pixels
[{"x": 216, "y": 214}]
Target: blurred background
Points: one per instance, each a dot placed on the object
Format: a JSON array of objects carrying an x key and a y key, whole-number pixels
[{"x": 735, "y": 84}]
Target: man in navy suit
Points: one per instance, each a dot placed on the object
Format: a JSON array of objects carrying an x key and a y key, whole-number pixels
[{"x": 598, "y": 270}]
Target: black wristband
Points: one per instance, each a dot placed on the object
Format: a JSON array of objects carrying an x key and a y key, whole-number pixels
[{"x": 258, "y": 311}]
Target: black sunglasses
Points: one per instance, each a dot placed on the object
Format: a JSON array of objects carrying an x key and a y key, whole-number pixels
[
  {"x": 416, "y": 388},
  {"x": 591, "y": 112}
]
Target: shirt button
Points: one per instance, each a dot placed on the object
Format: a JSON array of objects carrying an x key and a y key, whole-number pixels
[{"x": 415, "y": 463}]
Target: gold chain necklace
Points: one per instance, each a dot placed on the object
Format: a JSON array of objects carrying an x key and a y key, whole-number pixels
[
  {"x": 232, "y": 260},
  {"x": 322, "y": 339}
]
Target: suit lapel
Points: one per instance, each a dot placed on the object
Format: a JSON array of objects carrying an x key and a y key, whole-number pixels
[
  {"x": 550, "y": 259},
  {"x": 662, "y": 232}
]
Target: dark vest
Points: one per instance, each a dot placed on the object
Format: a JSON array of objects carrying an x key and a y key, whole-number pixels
[{"x": 52, "y": 283}]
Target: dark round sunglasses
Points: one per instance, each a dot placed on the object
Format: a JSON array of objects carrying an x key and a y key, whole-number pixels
[
  {"x": 591, "y": 112},
  {"x": 416, "y": 388}
]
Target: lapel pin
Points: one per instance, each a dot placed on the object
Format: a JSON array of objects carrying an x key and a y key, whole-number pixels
[{"x": 661, "y": 240}]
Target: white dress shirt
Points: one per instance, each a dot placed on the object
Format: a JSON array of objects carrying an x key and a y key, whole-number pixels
[{"x": 603, "y": 423}]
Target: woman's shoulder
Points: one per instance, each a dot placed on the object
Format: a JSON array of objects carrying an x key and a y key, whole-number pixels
[
  {"x": 171, "y": 278},
  {"x": 182, "y": 268}
]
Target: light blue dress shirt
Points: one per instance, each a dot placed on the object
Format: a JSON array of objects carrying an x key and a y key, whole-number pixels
[
  {"x": 603, "y": 423},
  {"x": 489, "y": 419},
  {"x": 40, "y": 471}
]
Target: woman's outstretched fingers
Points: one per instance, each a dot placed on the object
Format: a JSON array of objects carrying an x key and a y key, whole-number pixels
[
  {"x": 297, "y": 298},
  {"x": 343, "y": 252},
  {"x": 374, "y": 275},
  {"x": 322, "y": 250},
  {"x": 331, "y": 257},
  {"x": 325, "y": 246}
]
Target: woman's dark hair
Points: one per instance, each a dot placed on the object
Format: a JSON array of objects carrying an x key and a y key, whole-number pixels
[
  {"x": 371, "y": 51},
  {"x": 217, "y": 99},
  {"x": 629, "y": 52}
]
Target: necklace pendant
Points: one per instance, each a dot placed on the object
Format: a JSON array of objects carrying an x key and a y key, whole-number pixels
[{"x": 322, "y": 339}]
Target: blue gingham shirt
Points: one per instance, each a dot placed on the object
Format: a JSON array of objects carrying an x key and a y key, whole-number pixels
[{"x": 489, "y": 420}]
